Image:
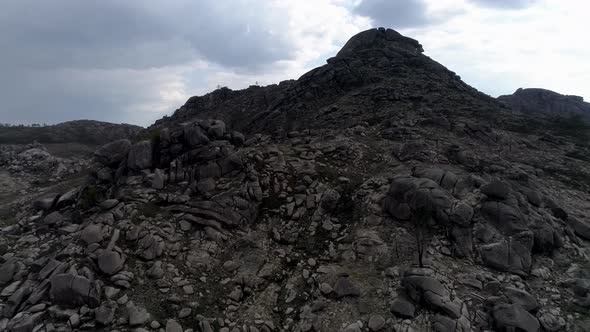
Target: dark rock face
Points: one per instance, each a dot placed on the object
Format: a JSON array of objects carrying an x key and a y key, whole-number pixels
[
  {"x": 409, "y": 194},
  {"x": 403, "y": 308},
  {"x": 546, "y": 102},
  {"x": 7, "y": 271},
  {"x": 496, "y": 189},
  {"x": 429, "y": 291},
  {"x": 521, "y": 297},
  {"x": 113, "y": 153},
  {"x": 140, "y": 156},
  {"x": 513, "y": 255},
  {"x": 506, "y": 218},
  {"x": 513, "y": 317},
  {"x": 581, "y": 228}
]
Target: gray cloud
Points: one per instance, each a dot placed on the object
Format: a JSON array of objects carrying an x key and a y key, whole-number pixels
[
  {"x": 394, "y": 13},
  {"x": 139, "y": 34},
  {"x": 57, "y": 95},
  {"x": 505, "y": 4},
  {"x": 111, "y": 59}
]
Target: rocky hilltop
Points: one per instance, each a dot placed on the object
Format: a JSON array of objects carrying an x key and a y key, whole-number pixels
[
  {"x": 375, "y": 193},
  {"x": 79, "y": 131},
  {"x": 548, "y": 103},
  {"x": 376, "y": 72}
]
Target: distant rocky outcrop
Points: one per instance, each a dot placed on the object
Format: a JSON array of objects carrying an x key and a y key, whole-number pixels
[
  {"x": 79, "y": 131},
  {"x": 547, "y": 102}
]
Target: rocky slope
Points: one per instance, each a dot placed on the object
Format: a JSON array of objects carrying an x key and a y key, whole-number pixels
[
  {"x": 79, "y": 131},
  {"x": 548, "y": 103},
  {"x": 306, "y": 206}
]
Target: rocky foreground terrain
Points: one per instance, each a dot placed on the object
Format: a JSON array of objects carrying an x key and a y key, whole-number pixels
[{"x": 376, "y": 193}]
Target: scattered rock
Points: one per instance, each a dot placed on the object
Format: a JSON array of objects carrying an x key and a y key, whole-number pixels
[
  {"x": 137, "y": 316},
  {"x": 173, "y": 326},
  {"x": 92, "y": 234},
  {"x": 403, "y": 308},
  {"x": 110, "y": 262},
  {"x": 376, "y": 323}
]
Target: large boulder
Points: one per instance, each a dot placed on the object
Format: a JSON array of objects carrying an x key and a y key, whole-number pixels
[
  {"x": 446, "y": 179},
  {"x": 140, "y": 156},
  {"x": 511, "y": 255},
  {"x": 581, "y": 228},
  {"x": 546, "y": 236},
  {"x": 329, "y": 200},
  {"x": 408, "y": 194},
  {"x": 46, "y": 203},
  {"x": 403, "y": 308},
  {"x": 195, "y": 136},
  {"x": 461, "y": 214},
  {"x": 54, "y": 218},
  {"x": 496, "y": 190},
  {"x": 429, "y": 291},
  {"x": 521, "y": 297},
  {"x": 24, "y": 322},
  {"x": 7, "y": 271},
  {"x": 73, "y": 290},
  {"x": 110, "y": 262},
  {"x": 92, "y": 234},
  {"x": 216, "y": 129},
  {"x": 513, "y": 317},
  {"x": 505, "y": 218},
  {"x": 113, "y": 153}
]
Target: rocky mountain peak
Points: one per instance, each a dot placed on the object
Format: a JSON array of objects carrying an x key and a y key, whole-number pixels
[
  {"x": 379, "y": 39},
  {"x": 374, "y": 69}
]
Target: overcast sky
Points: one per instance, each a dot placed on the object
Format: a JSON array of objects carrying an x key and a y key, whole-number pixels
[{"x": 134, "y": 61}]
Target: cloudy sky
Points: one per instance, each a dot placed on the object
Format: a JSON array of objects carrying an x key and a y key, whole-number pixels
[{"x": 134, "y": 61}]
